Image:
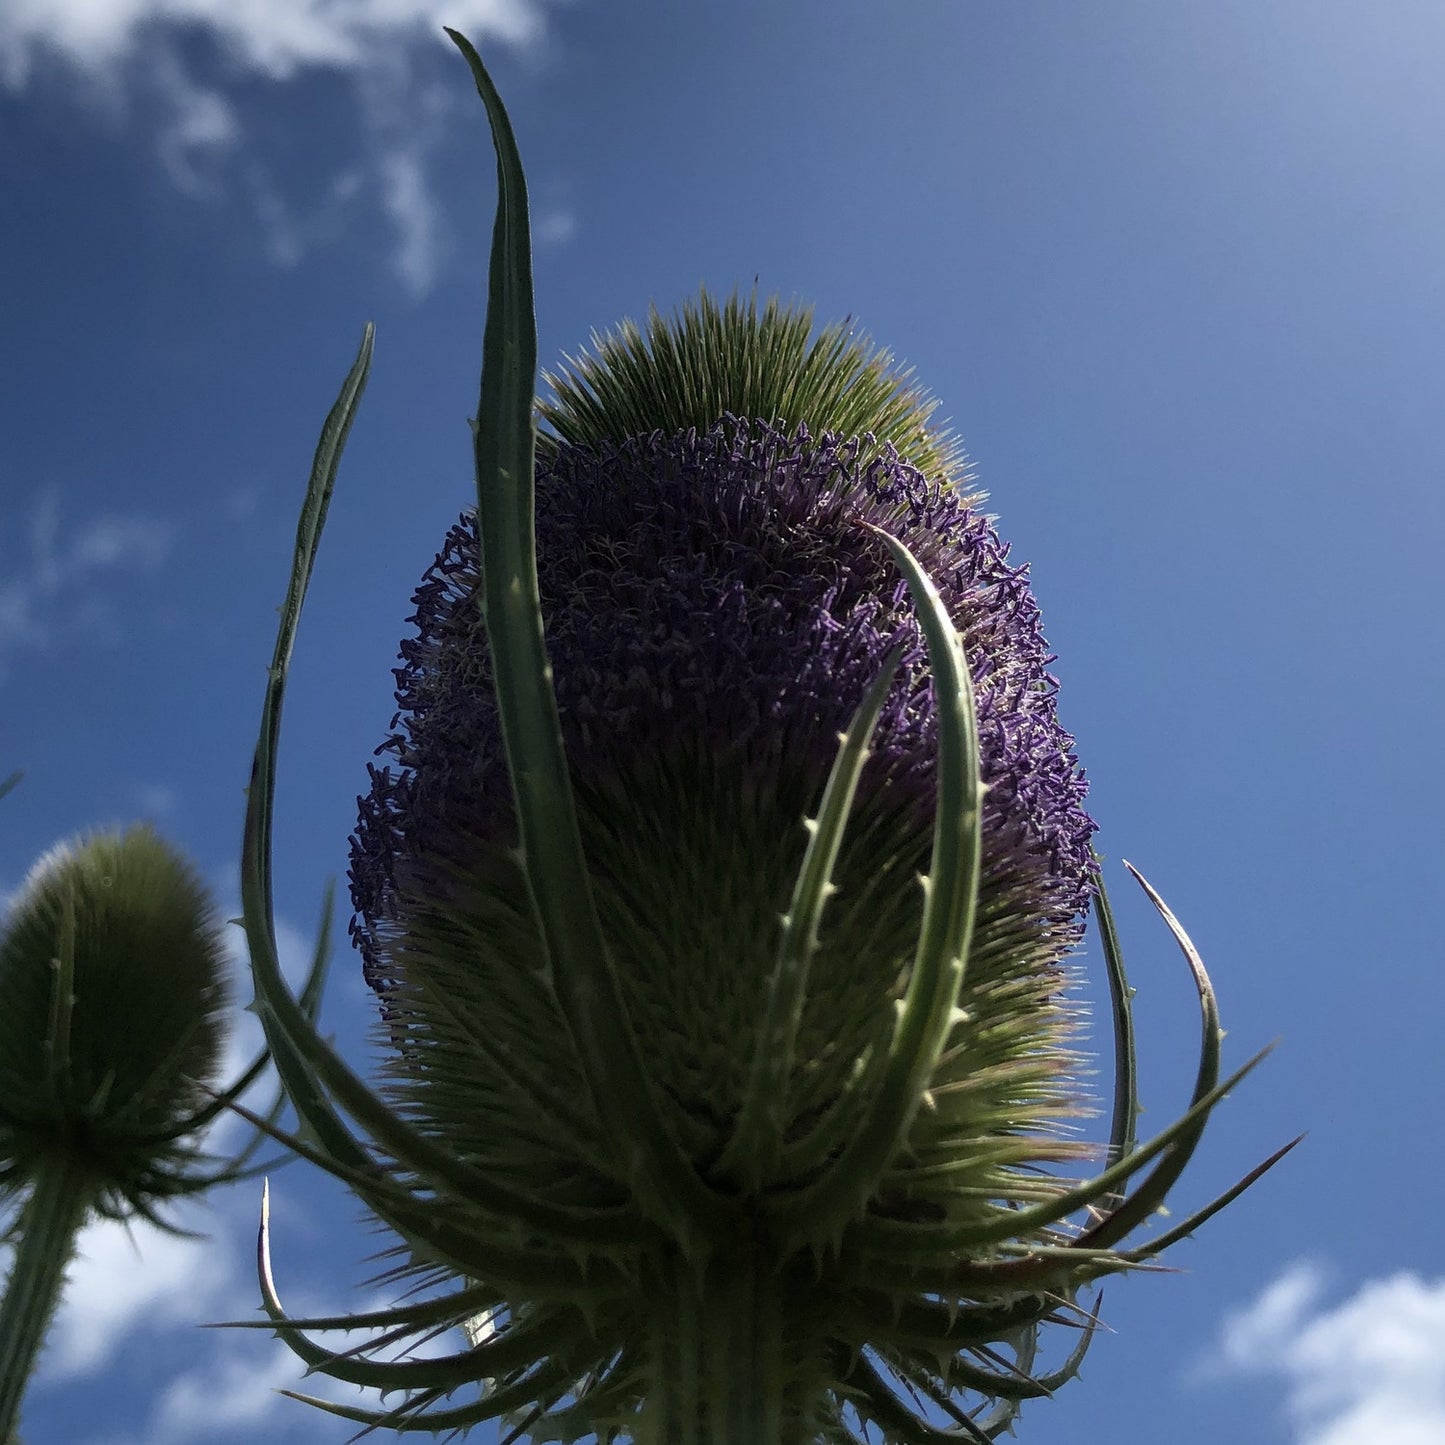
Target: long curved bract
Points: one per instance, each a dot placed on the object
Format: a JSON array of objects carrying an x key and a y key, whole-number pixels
[
  {"x": 758, "y": 1135},
  {"x": 313, "y": 1074},
  {"x": 817, "y": 1213},
  {"x": 582, "y": 973}
]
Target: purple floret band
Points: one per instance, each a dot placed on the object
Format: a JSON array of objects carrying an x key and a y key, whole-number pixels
[{"x": 719, "y": 588}]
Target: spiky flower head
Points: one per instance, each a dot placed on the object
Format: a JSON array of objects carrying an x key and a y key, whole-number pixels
[
  {"x": 718, "y": 602},
  {"x": 717, "y": 606},
  {"x": 112, "y": 972},
  {"x": 715, "y": 600},
  {"x": 707, "y": 1124}
]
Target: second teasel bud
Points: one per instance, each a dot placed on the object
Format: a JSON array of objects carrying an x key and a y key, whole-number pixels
[
  {"x": 113, "y": 976},
  {"x": 113, "y": 971}
]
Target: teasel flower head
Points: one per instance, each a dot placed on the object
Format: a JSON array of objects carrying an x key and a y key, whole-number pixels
[
  {"x": 112, "y": 966},
  {"x": 113, "y": 972},
  {"x": 718, "y": 600},
  {"x": 719, "y": 888}
]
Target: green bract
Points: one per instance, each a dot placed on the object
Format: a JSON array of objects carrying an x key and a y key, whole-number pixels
[{"x": 867, "y": 1230}]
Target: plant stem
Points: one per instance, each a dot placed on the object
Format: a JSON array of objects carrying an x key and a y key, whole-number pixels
[
  {"x": 720, "y": 1353},
  {"x": 60, "y": 1198}
]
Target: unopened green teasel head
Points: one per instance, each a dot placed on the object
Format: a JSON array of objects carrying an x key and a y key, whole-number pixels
[
  {"x": 113, "y": 971},
  {"x": 113, "y": 977}
]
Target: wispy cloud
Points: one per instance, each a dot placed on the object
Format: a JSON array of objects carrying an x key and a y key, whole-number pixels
[
  {"x": 225, "y": 1393},
  {"x": 61, "y": 584},
  {"x": 198, "y": 131},
  {"x": 131, "y": 1288},
  {"x": 415, "y": 216},
  {"x": 273, "y": 38},
  {"x": 229, "y": 1390},
  {"x": 555, "y": 227},
  {"x": 1371, "y": 1367},
  {"x": 125, "y": 1276},
  {"x": 151, "y": 1290}
]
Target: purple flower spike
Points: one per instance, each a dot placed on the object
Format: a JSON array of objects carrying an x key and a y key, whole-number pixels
[{"x": 718, "y": 593}]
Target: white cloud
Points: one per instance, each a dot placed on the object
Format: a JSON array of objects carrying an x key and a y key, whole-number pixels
[
  {"x": 231, "y": 1391},
  {"x": 290, "y": 230},
  {"x": 555, "y": 227},
  {"x": 57, "y": 591},
  {"x": 274, "y": 38},
  {"x": 117, "y": 541},
  {"x": 154, "y": 1290},
  {"x": 132, "y": 48},
  {"x": 224, "y": 1393},
  {"x": 414, "y": 214},
  {"x": 124, "y": 1277},
  {"x": 228, "y": 1386},
  {"x": 155, "y": 800},
  {"x": 1370, "y": 1368},
  {"x": 241, "y": 504},
  {"x": 199, "y": 129}
]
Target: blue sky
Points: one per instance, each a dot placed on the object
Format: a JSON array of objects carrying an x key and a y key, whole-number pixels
[{"x": 1178, "y": 275}]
